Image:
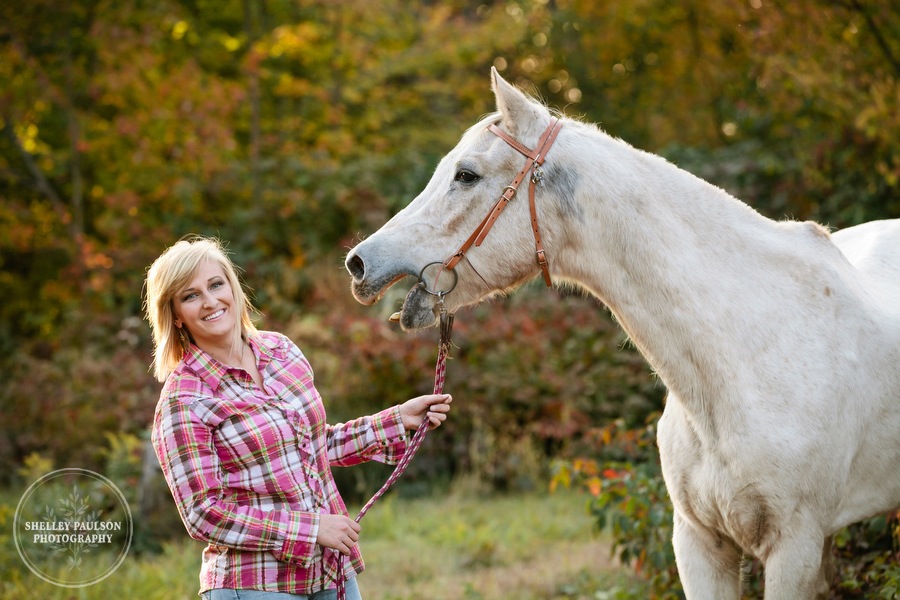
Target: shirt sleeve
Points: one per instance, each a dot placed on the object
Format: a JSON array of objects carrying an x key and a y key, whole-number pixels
[
  {"x": 185, "y": 449},
  {"x": 380, "y": 437}
]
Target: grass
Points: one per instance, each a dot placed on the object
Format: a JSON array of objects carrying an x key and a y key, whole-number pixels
[
  {"x": 527, "y": 547},
  {"x": 458, "y": 547}
]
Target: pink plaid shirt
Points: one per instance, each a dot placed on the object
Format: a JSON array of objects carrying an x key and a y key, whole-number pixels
[{"x": 250, "y": 470}]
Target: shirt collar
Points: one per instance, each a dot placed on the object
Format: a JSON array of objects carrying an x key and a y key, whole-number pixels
[
  {"x": 265, "y": 348},
  {"x": 204, "y": 366}
]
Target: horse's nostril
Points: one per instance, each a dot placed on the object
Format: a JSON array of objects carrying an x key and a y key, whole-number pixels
[{"x": 356, "y": 266}]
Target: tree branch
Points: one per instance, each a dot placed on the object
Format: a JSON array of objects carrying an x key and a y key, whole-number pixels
[
  {"x": 40, "y": 180},
  {"x": 876, "y": 33}
]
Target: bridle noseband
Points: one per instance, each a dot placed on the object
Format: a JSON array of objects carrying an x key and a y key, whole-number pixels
[{"x": 535, "y": 158}]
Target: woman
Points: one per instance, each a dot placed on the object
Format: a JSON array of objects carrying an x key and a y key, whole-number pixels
[{"x": 241, "y": 436}]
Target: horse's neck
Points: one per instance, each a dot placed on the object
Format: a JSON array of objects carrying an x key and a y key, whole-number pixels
[{"x": 675, "y": 259}]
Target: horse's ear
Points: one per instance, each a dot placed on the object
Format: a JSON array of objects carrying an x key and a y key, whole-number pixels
[{"x": 517, "y": 111}]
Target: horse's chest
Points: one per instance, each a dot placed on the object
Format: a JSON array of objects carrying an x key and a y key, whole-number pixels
[{"x": 710, "y": 489}]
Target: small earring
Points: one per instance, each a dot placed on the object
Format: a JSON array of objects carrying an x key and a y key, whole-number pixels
[{"x": 183, "y": 336}]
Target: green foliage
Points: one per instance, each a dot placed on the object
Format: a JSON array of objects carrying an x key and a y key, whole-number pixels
[
  {"x": 869, "y": 558},
  {"x": 14, "y": 572},
  {"x": 96, "y": 384},
  {"x": 634, "y": 505},
  {"x": 122, "y": 461},
  {"x": 34, "y": 467},
  {"x": 629, "y": 500},
  {"x": 124, "y": 464},
  {"x": 811, "y": 85}
]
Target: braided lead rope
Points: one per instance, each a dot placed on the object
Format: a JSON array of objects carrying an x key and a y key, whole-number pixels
[{"x": 440, "y": 371}]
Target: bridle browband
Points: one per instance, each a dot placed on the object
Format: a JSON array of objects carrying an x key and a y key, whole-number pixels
[{"x": 535, "y": 158}]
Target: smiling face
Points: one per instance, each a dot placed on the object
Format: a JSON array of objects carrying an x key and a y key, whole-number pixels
[{"x": 206, "y": 306}]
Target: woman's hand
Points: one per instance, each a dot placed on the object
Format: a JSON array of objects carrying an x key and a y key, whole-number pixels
[
  {"x": 338, "y": 532},
  {"x": 434, "y": 407}
]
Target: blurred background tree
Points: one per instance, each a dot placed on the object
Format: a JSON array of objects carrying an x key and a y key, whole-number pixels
[{"x": 291, "y": 128}]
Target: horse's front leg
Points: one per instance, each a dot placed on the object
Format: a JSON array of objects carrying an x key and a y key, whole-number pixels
[
  {"x": 709, "y": 566},
  {"x": 799, "y": 568}
]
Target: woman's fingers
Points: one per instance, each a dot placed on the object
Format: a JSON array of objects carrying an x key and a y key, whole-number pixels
[
  {"x": 414, "y": 411},
  {"x": 433, "y": 400},
  {"x": 437, "y": 409},
  {"x": 436, "y": 418},
  {"x": 442, "y": 404},
  {"x": 339, "y": 532}
]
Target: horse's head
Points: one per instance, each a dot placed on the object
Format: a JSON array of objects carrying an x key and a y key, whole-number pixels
[{"x": 466, "y": 184}]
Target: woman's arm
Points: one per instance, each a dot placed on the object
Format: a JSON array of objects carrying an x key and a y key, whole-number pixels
[{"x": 382, "y": 436}]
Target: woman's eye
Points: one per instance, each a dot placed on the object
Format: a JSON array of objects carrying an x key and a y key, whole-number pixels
[{"x": 466, "y": 176}]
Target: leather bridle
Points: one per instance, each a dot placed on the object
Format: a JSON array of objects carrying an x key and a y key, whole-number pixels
[{"x": 534, "y": 159}]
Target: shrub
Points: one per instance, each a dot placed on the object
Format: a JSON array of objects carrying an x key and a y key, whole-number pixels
[
  {"x": 629, "y": 499},
  {"x": 868, "y": 558},
  {"x": 63, "y": 401}
]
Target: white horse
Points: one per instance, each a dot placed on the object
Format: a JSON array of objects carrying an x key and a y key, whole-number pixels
[{"x": 779, "y": 343}]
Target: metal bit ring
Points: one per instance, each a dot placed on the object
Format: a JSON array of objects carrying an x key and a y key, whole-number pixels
[{"x": 439, "y": 293}]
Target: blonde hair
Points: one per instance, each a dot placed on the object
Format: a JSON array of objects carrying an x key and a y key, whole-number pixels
[{"x": 168, "y": 275}]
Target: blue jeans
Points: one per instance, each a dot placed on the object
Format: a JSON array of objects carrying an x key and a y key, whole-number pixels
[{"x": 225, "y": 594}]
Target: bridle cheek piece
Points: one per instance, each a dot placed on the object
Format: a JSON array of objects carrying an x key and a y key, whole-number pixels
[{"x": 535, "y": 158}]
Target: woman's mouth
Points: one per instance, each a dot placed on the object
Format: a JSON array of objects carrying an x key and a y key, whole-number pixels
[{"x": 215, "y": 315}]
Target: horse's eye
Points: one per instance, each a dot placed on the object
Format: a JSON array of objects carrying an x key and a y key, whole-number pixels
[{"x": 466, "y": 176}]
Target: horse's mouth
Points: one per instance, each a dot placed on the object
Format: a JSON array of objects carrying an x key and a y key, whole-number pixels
[
  {"x": 371, "y": 292},
  {"x": 418, "y": 309}
]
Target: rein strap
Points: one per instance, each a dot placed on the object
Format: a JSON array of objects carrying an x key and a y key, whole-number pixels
[
  {"x": 535, "y": 160},
  {"x": 440, "y": 375}
]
